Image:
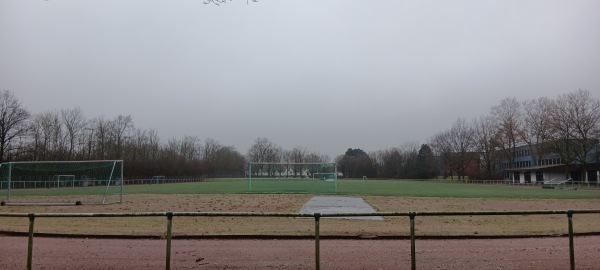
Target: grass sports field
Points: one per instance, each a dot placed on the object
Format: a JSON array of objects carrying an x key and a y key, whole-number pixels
[
  {"x": 347, "y": 187},
  {"x": 230, "y": 195}
]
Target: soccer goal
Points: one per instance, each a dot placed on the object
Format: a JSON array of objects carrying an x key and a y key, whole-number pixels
[
  {"x": 267, "y": 177},
  {"x": 61, "y": 182},
  {"x": 324, "y": 176}
]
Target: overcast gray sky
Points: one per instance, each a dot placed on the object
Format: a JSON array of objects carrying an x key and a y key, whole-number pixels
[{"x": 322, "y": 74}]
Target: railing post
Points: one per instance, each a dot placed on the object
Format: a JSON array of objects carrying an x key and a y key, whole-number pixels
[
  {"x": 413, "y": 257},
  {"x": 30, "y": 241},
  {"x": 169, "y": 230},
  {"x": 317, "y": 244},
  {"x": 571, "y": 245}
]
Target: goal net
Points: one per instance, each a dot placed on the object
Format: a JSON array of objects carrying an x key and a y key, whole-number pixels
[
  {"x": 61, "y": 182},
  {"x": 266, "y": 177}
]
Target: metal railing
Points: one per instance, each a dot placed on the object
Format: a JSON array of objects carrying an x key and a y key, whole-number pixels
[{"x": 317, "y": 218}]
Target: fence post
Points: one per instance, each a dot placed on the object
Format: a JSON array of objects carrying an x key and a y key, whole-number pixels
[
  {"x": 413, "y": 257},
  {"x": 571, "y": 245},
  {"x": 30, "y": 241},
  {"x": 317, "y": 244},
  {"x": 169, "y": 230}
]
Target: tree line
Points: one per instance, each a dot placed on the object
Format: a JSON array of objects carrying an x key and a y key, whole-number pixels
[
  {"x": 568, "y": 126},
  {"x": 67, "y": 135},
  {"x": 565, "y": 128}
]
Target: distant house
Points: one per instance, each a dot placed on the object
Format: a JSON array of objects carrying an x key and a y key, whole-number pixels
[{"x": 527, "y": 169}]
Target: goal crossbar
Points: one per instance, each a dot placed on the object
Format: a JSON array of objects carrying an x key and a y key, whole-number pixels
[{"x": 291, "y": 177}]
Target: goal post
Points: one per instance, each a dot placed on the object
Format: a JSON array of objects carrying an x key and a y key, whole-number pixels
[
  {"x": 270, "y": 177},
  {"x": 51, "y": 182}
]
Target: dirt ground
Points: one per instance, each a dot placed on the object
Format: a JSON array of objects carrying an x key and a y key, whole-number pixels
[
  {"x": 391, "y": 226},
  {"x": 92, "y": 253},
  {"x": 528, "y": 253}
]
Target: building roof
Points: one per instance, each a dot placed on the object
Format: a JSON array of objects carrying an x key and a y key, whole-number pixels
[{"x": 535, "y": 167}]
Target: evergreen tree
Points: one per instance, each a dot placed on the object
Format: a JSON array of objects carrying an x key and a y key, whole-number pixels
[{"x": 426, "y": 165}]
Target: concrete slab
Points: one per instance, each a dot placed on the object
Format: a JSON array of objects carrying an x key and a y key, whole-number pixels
[{"x": 338, "y": 205}]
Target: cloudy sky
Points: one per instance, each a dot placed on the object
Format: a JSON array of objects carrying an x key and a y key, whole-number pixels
[{"x": 325, "y": 75}]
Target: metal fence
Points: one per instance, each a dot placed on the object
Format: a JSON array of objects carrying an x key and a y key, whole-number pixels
[
  {"x": 148, "y": 181},
  {"x": 317, "y": 218}
]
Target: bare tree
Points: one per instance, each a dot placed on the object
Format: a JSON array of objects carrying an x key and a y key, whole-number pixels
[
  {"x": 137, "y": 153},
  {"x": 121, "y": 125},
  {"x": 263, "y": 150},
  {"x": 190, "y": 148},
  {"x": 462, "y": 140},
  {"x": 74, "y": 123},
  {"x": 136, "y": 149},
  {"x": 101, "y": 132},
  {"x": 39, "y": 140},
  {"x": 48, "y": 136},
  {"x": 229, "y": 162},
  {"x": 584, "y": 113},
  {"x": 153, "y": 144},
  {"x": 219, "y": 160},
  {"x": 455, "y": 146},
  {"x": 536, "y": 131},
  {"x": 440, "y": 144},
  {"x": 314, "y": 157},
  {"x": 563, "y": 131},
  {"x": 296, "y": 155},
  {"x": 485, "y": 130},
  {"x": 211, "y": 146},
  {"x": 389, "y": 163},
  {"x": 508, "y": 116},
  {"x": 13, "y": 119}
]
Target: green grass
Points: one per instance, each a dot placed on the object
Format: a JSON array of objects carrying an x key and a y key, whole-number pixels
[
  {"x": 458, "y": 190},
  {"x": 345, "y": 187}
]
